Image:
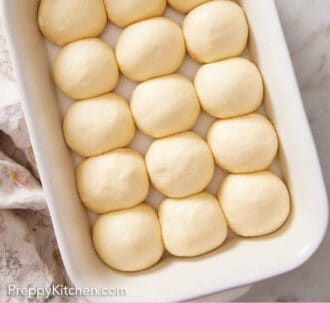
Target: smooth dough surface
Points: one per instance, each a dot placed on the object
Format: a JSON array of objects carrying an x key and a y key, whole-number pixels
[
  {"x": 192, "y": 226},
  {"x": 215, "y": 31},
  {"x": 151, "y": 48},
  {"x": 160, "y": 110},
  {"x": 243, "y": 144},
  {"x": 64, "y": 21},
  {"x": 126, "y": 12},
  {"x": 129, "y": 240},
  {"x": 185, "y": 5},
  {"x": 180, "y": 165},
  {"x": 94, "y": 126},
  {"x": 86, "y": 68},
  {"x": 254, "y": 204},
  {"x": 113, "y": 181},
  {"x": 229, "y": 88}
]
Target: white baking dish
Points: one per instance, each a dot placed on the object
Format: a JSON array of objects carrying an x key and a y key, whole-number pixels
[{"x": 239, "y": 261}]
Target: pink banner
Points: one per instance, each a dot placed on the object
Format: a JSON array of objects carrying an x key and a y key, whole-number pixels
[{"x": 166, "y": 316}]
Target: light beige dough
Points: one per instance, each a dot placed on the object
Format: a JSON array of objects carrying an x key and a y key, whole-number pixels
[
  {"x": 243, "y": 144},
  {"x": 64, "y": 21},
  {"x": 254, "y": 204},
  {"x": 229, "y": 88},
  {"x": 129, "y": 240},
  {"x": 165, "y": 106},
  {"x": 215, "y": 31},
  {"x": 94, "y": 126},
  {"x": 113, "y": 181},
  {"x": 126, "y": 12},
  {"x": 151, "y": 48},
  {"x": 86, "y": 68},
  {"x": 184, "y": 6},
  {"x": 192, "y": 226},
  {"x": 180, "y": 165}
]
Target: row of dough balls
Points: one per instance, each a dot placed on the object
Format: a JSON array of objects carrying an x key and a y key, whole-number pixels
[
  {"x": 134, "y": 239},
  {"x": 65, "y": 21},
  {"x": 179, "y": 165}
]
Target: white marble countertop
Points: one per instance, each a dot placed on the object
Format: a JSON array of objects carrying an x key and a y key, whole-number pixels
[{"x": 306, "y": 24}]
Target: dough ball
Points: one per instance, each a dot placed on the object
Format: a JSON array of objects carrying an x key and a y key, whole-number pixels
[
  {"x": 126, "y": 12},
  {"x": 113, "y": 181},
  {"x": 150, "y": 49},
  {"x": 64, "y": 21},
  {"x": 229, "y": 88},
  {"x": 215, "y": 31},
  {"x": 160, "y": 110},
  {"x": 185, "y": 5},
  {"x": 94, "y": 126},
  {"x": 129, "y": 240},
  {"x": 86, "y": 68},
  {"x": 243, "y": 144},
  {"x": 254, "y": 204},
  {"x": 192, "y": 226},
  {"x": 180, "y": 165}
]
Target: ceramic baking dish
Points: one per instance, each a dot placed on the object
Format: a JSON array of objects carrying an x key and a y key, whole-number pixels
[{"x": 240, "y": 261}]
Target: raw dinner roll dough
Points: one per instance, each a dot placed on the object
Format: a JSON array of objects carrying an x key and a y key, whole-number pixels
[
  {"x": 254, "y": 204},
  {"x": 150, "y": 49},
  {"x": 185, "y": 5},
  {"x": 180, "y": 165},
  {"x": 94, "y": 126},
  {"x": 192, "y": 226},
  {"x": 165, "y": 106},
  {"x": 243, "y": 144},
  {"x": 64, "y": 21},
  {"x": 113, "y": 181},
  {"x": 86, "y": 68},
  {"x": 129, "y": 240},
  {"x": 229, "y": 88},
  {"x": 125, "y": 12},
  {"x": 215, "y": 31}
]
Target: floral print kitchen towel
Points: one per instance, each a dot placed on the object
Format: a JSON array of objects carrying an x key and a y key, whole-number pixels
[{"x": 29, "y": 256}]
